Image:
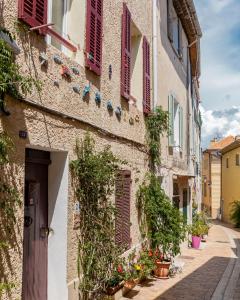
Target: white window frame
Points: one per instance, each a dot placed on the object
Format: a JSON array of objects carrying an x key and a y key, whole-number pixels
[{"x": 65, "y": 23}]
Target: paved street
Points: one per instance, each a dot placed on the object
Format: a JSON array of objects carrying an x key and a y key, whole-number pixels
[{"x": 212, "y": 273}]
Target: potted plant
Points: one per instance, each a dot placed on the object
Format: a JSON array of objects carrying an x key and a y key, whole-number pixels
[
  {"x": 166, "y": 228},
  {"x": 197, "y": 230},
  {"x": 145, "y": 263},
  {"x": 115, "y": 283}
]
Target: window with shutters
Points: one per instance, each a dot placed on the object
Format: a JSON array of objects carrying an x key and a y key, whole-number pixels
[
  {"x": 135, "y": 64},
  {"x": 237, "y": 160},
  {"x": 45, "y": 12},
  {"x": 175, "y": 30},
  {"x": 122, "y": 201},
  {"x": 176, "y": 123},
  {"x": 94, "y": 35}
]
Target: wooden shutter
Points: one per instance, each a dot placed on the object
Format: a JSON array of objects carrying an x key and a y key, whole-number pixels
[
  {"x": 126, "y": 53},
  {"x": 94, "y": 35},
  {"x": 146, "y": 77},
  {"x": 171, "y": 121},
  {"x": 180, "y": 44},
  {"x": 169, "y": 20},
  {"x": 181, "y": 137},
  {"x": 123, "y": 196},
  {"x": 33, "y": 12}
]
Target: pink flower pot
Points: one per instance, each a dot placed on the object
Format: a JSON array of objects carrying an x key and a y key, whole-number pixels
[{"x": 196, "y": 240}]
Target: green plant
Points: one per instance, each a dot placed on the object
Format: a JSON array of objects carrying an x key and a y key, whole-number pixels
[
  {"x": 6, "y": 286},
  {"x": 157, "y": 125},
  {"x": 235, "y": 213},
  {"x": 6, "y": 145},
  {"x": 165, "y": 225},
  {"x": 146, "y": 264},
  {"x": 11, "y": 80},
  {"x": 94, "y": 180},
  {"x": 197, "y": 229}
]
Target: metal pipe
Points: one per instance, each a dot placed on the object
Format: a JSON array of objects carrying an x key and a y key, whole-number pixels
[{"x": 155, "y": 54}]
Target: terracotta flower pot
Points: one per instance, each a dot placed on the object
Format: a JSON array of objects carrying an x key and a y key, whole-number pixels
[
  {"x": 162, "y": 269},
  {"x": 128, "y": 286}
]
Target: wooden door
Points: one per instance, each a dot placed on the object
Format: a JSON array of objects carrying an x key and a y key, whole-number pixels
[
  {"x": 35, "y": 225},
  {"x": 185, "y": 203}
]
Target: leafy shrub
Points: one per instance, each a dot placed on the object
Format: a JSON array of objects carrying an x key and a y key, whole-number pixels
[{"x": 235, "y": 213}]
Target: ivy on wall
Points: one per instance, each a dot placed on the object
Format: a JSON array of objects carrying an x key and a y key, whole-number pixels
[
  {"x": 94, "y": 180},
  {"x": 9, "y": 201},
  {"x": 12, "y": 82},
  {"x": 161, "y": 222}
]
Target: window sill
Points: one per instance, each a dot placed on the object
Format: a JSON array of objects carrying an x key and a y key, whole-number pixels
[{"x": 62, "y": 40}]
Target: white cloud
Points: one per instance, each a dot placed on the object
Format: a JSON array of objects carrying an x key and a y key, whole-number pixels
[{"x": 219, "y": 123}]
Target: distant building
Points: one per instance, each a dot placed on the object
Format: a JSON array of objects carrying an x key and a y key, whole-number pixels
[
  {"x": 211, "y": 176},
  {"x": 230, "y": 177}
]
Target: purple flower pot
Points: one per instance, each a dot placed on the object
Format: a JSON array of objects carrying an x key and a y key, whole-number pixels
[{"x": 196, "y": 240}]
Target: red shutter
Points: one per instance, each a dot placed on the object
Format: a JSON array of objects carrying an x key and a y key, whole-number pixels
[
  {"x": 123, "y": 196},
  {"x": 33, "y": 12},
  {"x": 146, "y": 77},
  {"x": 94, "y": 35},
  {"x": 126, "y": 52}
]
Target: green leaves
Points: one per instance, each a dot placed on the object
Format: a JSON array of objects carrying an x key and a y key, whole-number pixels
[
  {"x": 157, "y": 125},
  {"x": 164, "y": 223},
  {"x": 94, "y": 180},
  {"x": 12, "y": 82},
  {"x": 6, "y": 145},
  {"x": 235, "y": 213}
]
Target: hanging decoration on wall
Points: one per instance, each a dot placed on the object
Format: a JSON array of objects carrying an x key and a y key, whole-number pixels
[
  {"x": 137, "y": 119},
  {"x": 43, "y": 59},
  {"x": 65, "y": 72},
  {"x": 118, "y": 112},
  {"x": 57, "y": 59},
  {"x": 110, "y": 72},
  {"x": 86, "y": 90},
  {"x": 109, "y": 106},
  {"x": 98, "y": 97},
  {"x": 131, "y": 121},
  {"x": 56, "y": 83},
  {"x": 76, "y": 89},
  {"x": 75, "y": 70}
]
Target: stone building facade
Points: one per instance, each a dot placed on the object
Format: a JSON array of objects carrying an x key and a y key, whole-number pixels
[
  {"x": 176, "y": 87},
  {"x": 58, "y": 115},
  {"x": 94, "y": 60}
]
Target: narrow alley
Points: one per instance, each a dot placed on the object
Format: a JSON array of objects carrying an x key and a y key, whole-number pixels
[{"x": 212, "y": 273}]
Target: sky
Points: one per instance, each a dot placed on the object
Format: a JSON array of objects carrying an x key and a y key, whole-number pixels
[{"x": 220, "y": 67}]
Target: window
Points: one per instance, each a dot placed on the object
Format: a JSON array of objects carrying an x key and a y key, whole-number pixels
[
  {"x": 174, "y": 28},
  {"x": 135, "y": 64},
  {"x": 237, "y": 160},
  {"x": 205, "y": 189},
  {"x": 175, "y": 123},
  {"x": 227, "y": 163},
  {"x": 122, "y": 199},
  {"x": 41, "y": 12},
  {"x": 176, "y": 195}
]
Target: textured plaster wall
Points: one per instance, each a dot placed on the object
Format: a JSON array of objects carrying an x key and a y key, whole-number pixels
[
  {"x": 53, "y": 133},
  {"x": 230, "y": 183}
]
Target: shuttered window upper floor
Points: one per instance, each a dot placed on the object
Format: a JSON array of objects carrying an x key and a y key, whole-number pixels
[{"x": 76, "y": 29}]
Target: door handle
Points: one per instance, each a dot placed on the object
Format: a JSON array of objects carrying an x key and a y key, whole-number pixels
[{"x": 44, "y": 232}]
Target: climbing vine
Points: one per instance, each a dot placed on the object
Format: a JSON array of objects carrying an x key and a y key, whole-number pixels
[
  {"x": 94, "y": 179},
  {"x": 9, "y": 201},
  {"x": 12, "y": 82},
  {"x": 157, "y": 126},
  {"x": 161, "y": 222}
]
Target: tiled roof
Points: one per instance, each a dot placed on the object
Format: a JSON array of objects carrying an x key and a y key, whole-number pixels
[{"x": 215, "y": 145}]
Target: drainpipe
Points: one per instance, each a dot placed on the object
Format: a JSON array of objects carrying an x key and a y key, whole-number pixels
[{"x": 155, "y": 54}]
